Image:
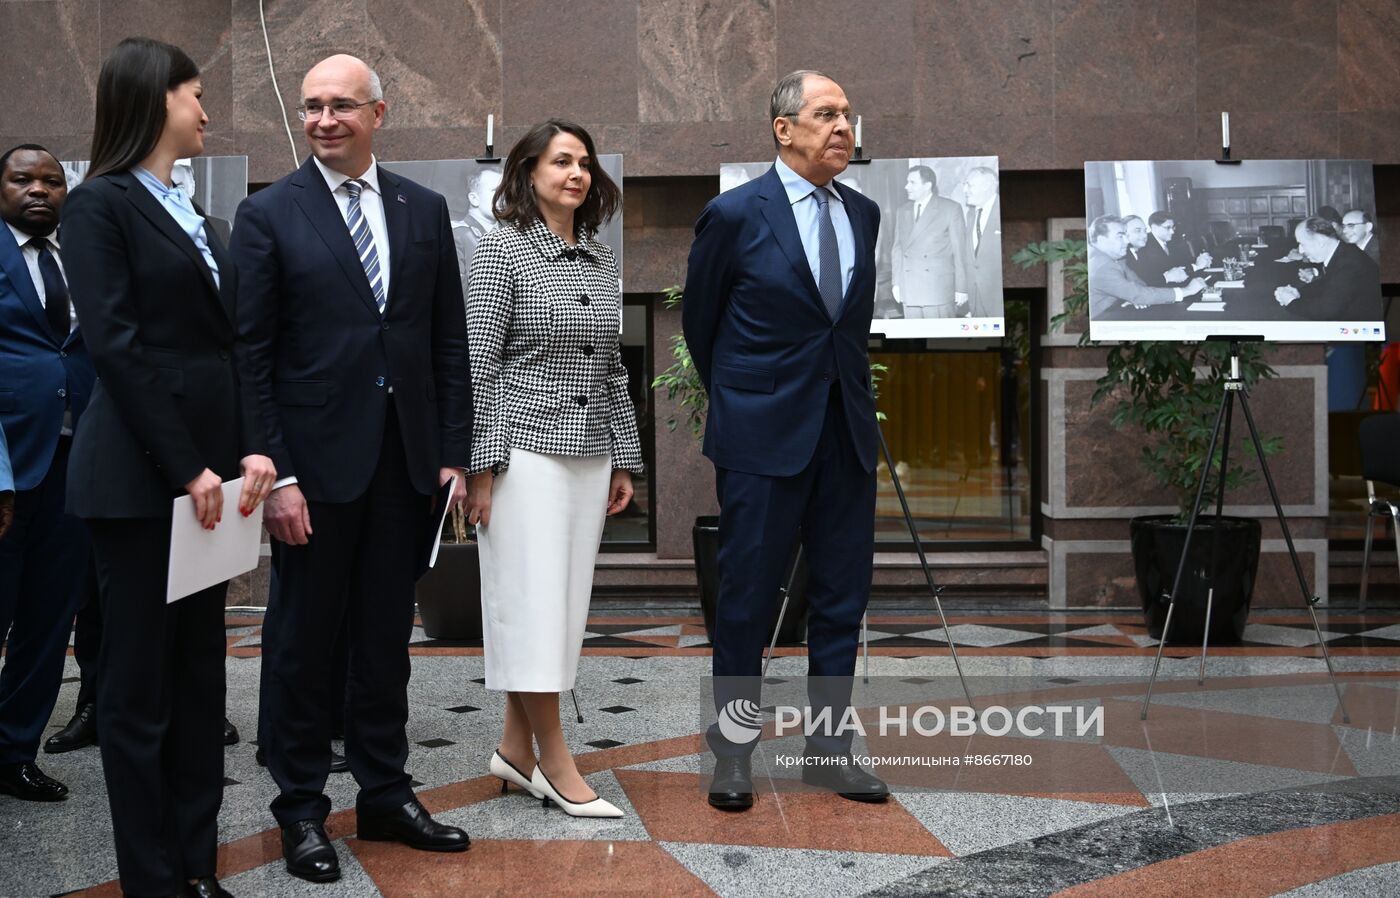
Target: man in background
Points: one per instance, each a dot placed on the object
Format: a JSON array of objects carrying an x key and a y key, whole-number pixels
[
  {"x": 48, "y": 376},
  {"x": 1359, "y": 229},
  {"x": 481, "y": 218},
  {"x": 1342, "y": 284},
  {"x": 1112, "y": 283},
  {"x": 983, "y": 243},
  {"x": 929, "y": 257}
]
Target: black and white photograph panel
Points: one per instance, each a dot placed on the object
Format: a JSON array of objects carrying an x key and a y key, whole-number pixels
[
  {"x": 1286, "y": 250},
  {"x": 470, "y": 188},
  {"x": 938, "y": 256},
  {"x": 217, "y": 184}
]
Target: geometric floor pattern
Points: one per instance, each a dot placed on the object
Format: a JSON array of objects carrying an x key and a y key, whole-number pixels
[{"x": 1327, "y": 835}]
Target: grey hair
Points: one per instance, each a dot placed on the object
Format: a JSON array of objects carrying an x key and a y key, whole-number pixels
[
  {"x": 376, "y": 88},
  {"x": 788, "y": 96},
  {"x": 1099, "y": 227}
]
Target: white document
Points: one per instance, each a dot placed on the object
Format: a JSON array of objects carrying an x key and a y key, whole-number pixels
[
  {"x": 1206, "y": 307},
  {"x": 444, "y": 498},
  {"x": 200, "y": 558}
]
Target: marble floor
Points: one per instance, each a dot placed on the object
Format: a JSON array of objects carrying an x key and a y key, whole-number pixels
[{"x": 1255, "y": 783}]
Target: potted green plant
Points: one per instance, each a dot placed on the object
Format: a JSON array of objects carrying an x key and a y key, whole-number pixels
[
  {"x": 1170, "y": 392},
  {"x": 449, "y": 594}
]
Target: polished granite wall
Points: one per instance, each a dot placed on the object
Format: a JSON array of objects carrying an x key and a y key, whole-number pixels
[{"x": 680, "y": 85}]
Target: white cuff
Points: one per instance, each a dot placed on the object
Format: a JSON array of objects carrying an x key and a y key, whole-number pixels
[{"x": 285, "y": 481}]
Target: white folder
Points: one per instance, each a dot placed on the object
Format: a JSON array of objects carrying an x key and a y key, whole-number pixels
[{"x": 201, "y": 558}]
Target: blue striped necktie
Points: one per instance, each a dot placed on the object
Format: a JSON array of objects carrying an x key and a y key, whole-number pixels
[
  {"x": 829, "y": 257},
  {"x": 364, "y": 242}
]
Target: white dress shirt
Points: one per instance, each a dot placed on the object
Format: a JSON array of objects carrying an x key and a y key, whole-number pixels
[
  {"x": 800, "y": 193},
  {"x": 31, "y": 259},
  {"x": 371, "y": 205}
]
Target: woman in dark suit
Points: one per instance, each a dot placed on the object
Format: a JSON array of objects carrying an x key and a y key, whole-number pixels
[{"x": 155, "y": 292}]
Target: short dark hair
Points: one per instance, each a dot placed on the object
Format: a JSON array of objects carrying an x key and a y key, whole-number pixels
[
  {"x": 1330, "y": 213},
  {"x": 1365, "y": 216},
  {"x": 32, "y": 147},
  {"x": 1159, "y": 218},
  {"x": 925, "y": 174},
  {"x": 1316, "y": 224},
  {"x": 131, "y": 92},
  {"x": 1099, "y": 227},
  {"x": 515, "y": 201}
]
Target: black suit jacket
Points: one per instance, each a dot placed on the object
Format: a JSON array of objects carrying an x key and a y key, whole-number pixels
[
  {"x": 1153, "y": 262},
  {"x": 322, "y": 357},
  {"x": 1348, "y": 290},
  {"x": 169, "y": 400}
]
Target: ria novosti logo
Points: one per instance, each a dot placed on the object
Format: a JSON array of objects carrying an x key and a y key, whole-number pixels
[{"x": 740, "y": 721}]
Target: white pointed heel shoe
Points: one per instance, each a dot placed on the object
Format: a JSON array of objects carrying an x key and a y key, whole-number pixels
[
  {"x": 509, "y": 773},
  {"x": 595, "y": 808}
]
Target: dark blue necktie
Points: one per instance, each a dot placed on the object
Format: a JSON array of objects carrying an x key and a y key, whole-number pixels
[
  {"x": 829, "y": 257},
  {"x": 55, "y": 289}
]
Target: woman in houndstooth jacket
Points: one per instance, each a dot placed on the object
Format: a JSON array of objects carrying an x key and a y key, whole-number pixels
[{"x": 554, "y": 440}]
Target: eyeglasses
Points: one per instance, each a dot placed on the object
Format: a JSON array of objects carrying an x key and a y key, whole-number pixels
[
  {"x": 340, "y": 110},
  {"x": 826, "y": 116},
  {"x": 1352, "y": 224}
]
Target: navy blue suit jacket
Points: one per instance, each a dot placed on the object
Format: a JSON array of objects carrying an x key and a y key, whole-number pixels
[
  {"x": 41, "y": 372},
  {"x": 761, "y": 338},
  {"x": 321, "y": 356}
]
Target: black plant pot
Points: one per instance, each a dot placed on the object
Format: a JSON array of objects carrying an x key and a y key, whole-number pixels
[
  {"x": 1225, "y": 557},
  {"x": 705, "y": 534},
  {"x": 449, "y": 594}
]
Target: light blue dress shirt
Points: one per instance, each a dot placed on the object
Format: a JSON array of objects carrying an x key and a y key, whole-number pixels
[
  {"x": 7, "y": 480},
  {"x": 181, "y": 208},
  {"x": 805, "y": 209}
]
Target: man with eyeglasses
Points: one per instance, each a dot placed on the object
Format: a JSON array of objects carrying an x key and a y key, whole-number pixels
[
  {"x": 1165, "y": 259},
  {"x": 1359, "y": 229},
  {"x": 350, "y": 305},
  {"x": 779, "y": 296}
]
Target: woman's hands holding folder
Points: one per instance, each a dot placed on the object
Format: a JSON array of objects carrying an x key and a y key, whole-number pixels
[{"x": 208, "y": 494}]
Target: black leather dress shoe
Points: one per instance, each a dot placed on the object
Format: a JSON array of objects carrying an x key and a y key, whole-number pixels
[
  {"x": 339, "y": 763},
  {"x": 230, "y": 732},
  {"x": 80, "y": 732},
  {"x": 412, "y": 826},
  {"x": 28, "y": 783},
  {"x": 309, "y": 854},
  {"x": 732, "y": 786},
  {"x": 845, "y": 777},
  {"x": 208, "y": 887}
]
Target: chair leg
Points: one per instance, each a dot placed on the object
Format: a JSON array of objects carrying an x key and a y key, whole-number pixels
[{"x": 1366, "y": 559}]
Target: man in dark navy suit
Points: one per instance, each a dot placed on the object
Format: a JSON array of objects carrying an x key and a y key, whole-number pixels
[
  {"x": 351, "y": 304},
  {"x": 46, "y": 377},
  {"x": 778, "y": 300}
]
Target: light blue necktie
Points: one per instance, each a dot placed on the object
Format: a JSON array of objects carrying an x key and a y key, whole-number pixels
[
  {"x": 829, "y": 261},
  {"x": 364, "y": 242}
]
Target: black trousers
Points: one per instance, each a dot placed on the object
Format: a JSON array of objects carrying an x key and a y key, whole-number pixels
[
  {"x": 356, "y": 571},
  {"x": 42, "y": 563},
  {"x": 160, "y": 709},
  {"x": 87, "y": 638}
]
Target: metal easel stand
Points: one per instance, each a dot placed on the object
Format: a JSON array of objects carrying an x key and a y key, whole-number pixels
[
  {"x": 934, "y": 590},
  {"x": 1235, "y": 388}
]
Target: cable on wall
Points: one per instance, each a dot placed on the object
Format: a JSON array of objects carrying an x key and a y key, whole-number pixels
[{"x": 286, "y": 123}]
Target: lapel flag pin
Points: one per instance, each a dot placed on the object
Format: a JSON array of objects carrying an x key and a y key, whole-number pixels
[{"x": 403, "y": 199}]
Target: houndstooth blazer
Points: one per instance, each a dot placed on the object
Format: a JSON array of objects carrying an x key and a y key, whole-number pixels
[{"x": 543, "y": 322}]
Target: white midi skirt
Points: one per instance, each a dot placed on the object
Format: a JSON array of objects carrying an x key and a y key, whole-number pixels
[{"x": 537, "y": 557}]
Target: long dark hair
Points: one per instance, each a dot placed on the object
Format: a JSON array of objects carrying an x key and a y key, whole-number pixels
[
  {"x": 515, "y": 201},
  {"x": 131, "y": 101}
]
